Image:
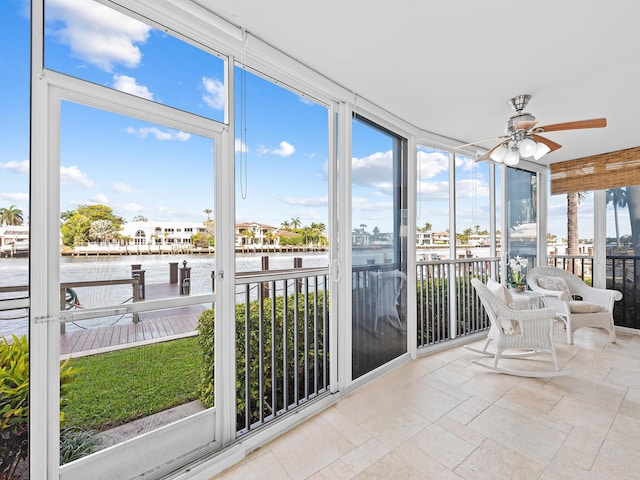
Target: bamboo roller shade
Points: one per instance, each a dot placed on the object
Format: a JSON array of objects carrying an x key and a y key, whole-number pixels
[{"x": 598, "y": 172}]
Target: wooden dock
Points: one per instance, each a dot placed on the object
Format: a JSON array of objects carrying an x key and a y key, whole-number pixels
[{"x": 152, "y": 327}]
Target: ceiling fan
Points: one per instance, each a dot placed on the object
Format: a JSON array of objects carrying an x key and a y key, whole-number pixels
[{"x": 523, "y": 139}]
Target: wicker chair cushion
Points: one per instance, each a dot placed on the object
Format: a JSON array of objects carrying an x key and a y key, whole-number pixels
[
  {"x": 509, "y": 327},
  {"x": 553, "y": 283},
  {"x": 584, "y": 307}
]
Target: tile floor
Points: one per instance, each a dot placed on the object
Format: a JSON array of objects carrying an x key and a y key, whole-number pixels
[{"x": 443, "y": 417}]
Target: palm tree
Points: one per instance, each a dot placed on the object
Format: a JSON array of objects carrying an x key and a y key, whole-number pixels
[
  {"x": 617, "y": 196},
  {"x": 285, "y": 225},
  {"x": 207, "y": 212},
  {"x": 573, "y": 200},
  {"x": 295, "y": 222},
  {"x": 11, "y": 216}
]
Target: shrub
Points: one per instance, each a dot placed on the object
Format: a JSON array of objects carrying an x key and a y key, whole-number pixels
[
  {"x": 14, "y": 402},
  {"x": 76, "y": 443},
  {"x": 260, "y": 342}
]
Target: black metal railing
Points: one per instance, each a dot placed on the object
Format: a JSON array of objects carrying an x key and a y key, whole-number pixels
[
  {"x": 434, "y": 280},
  {"x": 282, "y": 343}
]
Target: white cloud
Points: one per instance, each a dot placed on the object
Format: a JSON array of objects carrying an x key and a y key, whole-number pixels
[
  {"x": 95, "y": 33},
  {"x": 241, "y": 147},
  {"x": 159, "y": 134},
  {"x": 285, "y": 150},
  {"x": 214, "y": 93},
  {"x": 15, "y": 196},
  {"x": 375, "y": 170},
  {"x": 431, "y": 164},
  {"x": 121, "y": 187},
  {"x": 99, "y": 198},
  {"x": 21, "y": 168},
  {"x": 74, "y": 175},
  {"x": 308, "y": 201},
  {"x": 128, "y": 84}
]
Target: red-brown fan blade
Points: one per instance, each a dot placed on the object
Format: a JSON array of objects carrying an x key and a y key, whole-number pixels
[
  {"x": 487, "y": 154},
  {"x": 593, "y": 123},
  {"x": 549, "y": 143}
]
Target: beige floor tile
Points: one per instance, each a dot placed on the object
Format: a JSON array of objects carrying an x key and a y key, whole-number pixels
[
  {"x": 469, "y": 435},
  {"x": 338, "y": 470},
  {"x": 618, "y": 461},
  {"x": 424, "y": 463},
  {"x": 492, "y": 461},
  {"x": 365, "y": 455},
  {"x": 266, "y": 465},
  {"x": 446, "y": 447},
  {"x": 586, "y": 441},
  {"x": 520, "y": 433},
  {"x": 429, "y": 402},
  {"x": 583, "y": 414},
  {"x": 469, "y": 409},
  {"x": 562, "y": 469},
  {"x": 391, "y": 466},
  {"x": 607, "y": 396},
  {"x": 490, "y": 386},
  {"x": 396, "y": 426},
  {"x": 449, "y": 375},
  {"x": 537, "y": 399},
  {"x": 310, "y": 447},
  {"x": 343, "y": 423},
  {"x": 630, "y": 408}
]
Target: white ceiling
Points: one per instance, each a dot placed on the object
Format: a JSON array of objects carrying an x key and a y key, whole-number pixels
[{"x": 450, "y": 66}]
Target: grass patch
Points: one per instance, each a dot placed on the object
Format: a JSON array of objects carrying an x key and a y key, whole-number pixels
[{"x": 120, "y": 386}]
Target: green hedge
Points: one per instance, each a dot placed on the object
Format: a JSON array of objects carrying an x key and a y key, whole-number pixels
[{"x": 260, "y": 342}]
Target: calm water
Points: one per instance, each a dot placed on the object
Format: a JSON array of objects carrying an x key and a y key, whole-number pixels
[{"x": 14, "y": 272}]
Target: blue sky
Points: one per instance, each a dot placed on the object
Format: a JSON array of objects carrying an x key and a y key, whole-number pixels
[{"x": 138, "y": 168}]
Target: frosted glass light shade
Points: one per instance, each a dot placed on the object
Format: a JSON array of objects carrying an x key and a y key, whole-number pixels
[
  {"x": 498, "y": 154},
  {"x": 512, "y": 157},
  {"x": 527, "y": 147},
  {"x": 541, "y": 150}
]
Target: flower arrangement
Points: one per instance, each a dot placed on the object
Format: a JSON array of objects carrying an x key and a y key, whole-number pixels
[{"x": 518, "y": 272}]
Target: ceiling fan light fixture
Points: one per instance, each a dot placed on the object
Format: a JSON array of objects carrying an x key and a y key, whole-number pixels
[
  {"x": 512, "y": 157},
  {"x": 541, "y": 150},
  {"x": 499, "y": 153},
  {"x": 527, "y": 148}
]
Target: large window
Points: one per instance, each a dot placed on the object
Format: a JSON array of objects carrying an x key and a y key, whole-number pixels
[
  {"x": 472, "y": 208},
  {"x": 88, "y": 40},
  {"x": 14, "y": 238},
  {"x": 521, "y": 214},
  {"x": 379, "y": 246},
  {"x": 432, "y": 216}
]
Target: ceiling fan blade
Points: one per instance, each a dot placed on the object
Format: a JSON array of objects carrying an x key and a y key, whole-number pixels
[
  {"x": 549, "y": 143},
  {"x": 480, "y": 141},
  {"x": 593, "y": 123},
  {"x": 488, "y": 153},
  {"x": 525, "y": 124}
]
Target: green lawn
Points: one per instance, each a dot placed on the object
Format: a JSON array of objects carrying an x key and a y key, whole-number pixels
[{"x": 120, "y": 386}]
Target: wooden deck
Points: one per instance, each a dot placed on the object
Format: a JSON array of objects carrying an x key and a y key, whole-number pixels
[{"x": 153, "y": 327}]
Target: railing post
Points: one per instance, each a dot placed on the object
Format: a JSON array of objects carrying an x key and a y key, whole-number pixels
[
  {"x": 265, "y": 285},
  {"x": 63, "y": 307},
  {"x": 297, "y": 263},
  {"x": 135, "y": 282},
  {"x": 185, "y": 279},
  {"x": 173, "y": 272}
]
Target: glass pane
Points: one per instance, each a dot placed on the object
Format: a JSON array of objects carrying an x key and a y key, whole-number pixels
[
  {"x": 14, "y": 237},
  {"x": 521, "y": 234},
  {"x": 472, "y": 208},
  {"x": 281, "y": 218},
  {"x": 378, "y": 248},
  {"x": 91, "y": 41},
  {"x": 432, "y": 221},
  {"x": 281, "y": 169},
  {"x": 137, "y": 203},
  {"x": 623, "y": 252}
]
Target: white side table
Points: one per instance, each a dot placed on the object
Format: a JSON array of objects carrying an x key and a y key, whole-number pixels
[{"x": 526, "y": 299}]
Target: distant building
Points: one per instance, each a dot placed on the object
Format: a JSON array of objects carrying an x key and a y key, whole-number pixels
[
  {"x": 254, "y": 233},
  {"x": 161, "y": 233}
]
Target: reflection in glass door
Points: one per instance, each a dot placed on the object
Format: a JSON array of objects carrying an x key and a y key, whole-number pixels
[{"x": 379, "y": 245}]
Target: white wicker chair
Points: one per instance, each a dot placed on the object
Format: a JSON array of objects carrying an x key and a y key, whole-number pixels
[
  {"x": 563, "y": 303},
  {"x": 532, "y": 334}
]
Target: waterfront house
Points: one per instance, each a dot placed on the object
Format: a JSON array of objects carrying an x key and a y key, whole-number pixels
[{"x": 374, "y": 383}]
